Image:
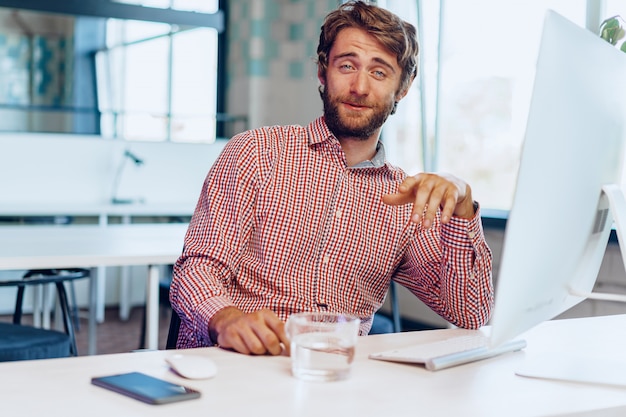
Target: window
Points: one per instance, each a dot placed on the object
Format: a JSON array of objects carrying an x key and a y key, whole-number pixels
[
  {"x": 158, "y": 81},
  {"x": 472, "y": 97}
]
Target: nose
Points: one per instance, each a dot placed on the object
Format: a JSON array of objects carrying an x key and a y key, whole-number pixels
[{"x": 360, "y": 83}]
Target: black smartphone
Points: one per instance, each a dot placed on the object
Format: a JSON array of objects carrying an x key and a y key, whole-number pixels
[{"x": 146, "y": 388}]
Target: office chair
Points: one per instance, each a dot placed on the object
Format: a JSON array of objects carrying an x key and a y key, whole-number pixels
[
  {"x": 395, "y": 307},
  {"x": 23, "y": 342},
  {"x": 172, "y": 334}
]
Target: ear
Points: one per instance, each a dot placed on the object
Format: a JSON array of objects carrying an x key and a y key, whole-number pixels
[
  {"x": 401, "y": 94},
  {"x": 320, "y": 77}
]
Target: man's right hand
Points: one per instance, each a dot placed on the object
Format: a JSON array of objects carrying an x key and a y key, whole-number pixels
[{"x": 257, "y": 333}]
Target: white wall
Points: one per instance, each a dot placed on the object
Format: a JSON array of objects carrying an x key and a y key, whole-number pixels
[
  {"x": 74, "y": 174},
  {"x": 52, "y": 169}
]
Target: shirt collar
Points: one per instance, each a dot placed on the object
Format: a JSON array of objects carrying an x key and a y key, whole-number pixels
[{"x": 319, "y": 132}]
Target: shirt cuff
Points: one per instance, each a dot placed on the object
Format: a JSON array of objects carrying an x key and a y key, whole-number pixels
[
  {"x": 464, "y": 233},
  {"x": 203, "y": 315}
]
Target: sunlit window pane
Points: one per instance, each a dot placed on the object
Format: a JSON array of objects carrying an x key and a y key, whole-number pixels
[
  {"x": 402, "y": 132},
  {"x": 205, "y": 6},
  {"x": 488, "y": 54},
  {"x": 474, "y": 88},
  {"x": 194, "y": 85},
  {"x": 159, "y": 82},
  {"x": 193, "y": 129},
  {"x": 144, "y": 126},
  {"x": 615, "y": 7},
  {"x": 160, "y": 4},
  {"x": 146, "y": 76},
  {"x": 128, "y": 31}
]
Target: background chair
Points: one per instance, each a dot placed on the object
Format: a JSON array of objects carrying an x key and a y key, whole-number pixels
[
  {"x": 22, "y": 342},
  {"x": 172, "y": 334}
]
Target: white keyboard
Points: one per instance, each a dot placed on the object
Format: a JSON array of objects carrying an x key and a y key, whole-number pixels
[{"x": 455, "y": 350}]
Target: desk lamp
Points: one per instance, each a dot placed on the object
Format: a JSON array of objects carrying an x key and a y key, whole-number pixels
[{"x": 118, "y": 176}]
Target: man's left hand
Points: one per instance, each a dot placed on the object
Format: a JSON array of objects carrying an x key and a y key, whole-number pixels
[{"x": 428, "y": 192}]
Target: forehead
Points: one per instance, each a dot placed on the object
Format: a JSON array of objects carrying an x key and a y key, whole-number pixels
[{"x": 362, "y": 45}]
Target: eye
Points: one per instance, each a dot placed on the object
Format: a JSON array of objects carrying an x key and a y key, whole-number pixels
[
  {"x": 346, "y": 67},
  {"x": 379, "y": 74}
]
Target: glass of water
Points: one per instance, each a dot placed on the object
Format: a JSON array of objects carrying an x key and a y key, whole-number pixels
[{"x": 322, "y": 345}]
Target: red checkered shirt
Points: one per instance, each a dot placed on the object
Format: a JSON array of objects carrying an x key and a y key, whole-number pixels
[{"x": 283, "y": 223}]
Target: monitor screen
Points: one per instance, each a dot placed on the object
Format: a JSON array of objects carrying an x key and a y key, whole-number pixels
[{"x": 560, "y": 221}]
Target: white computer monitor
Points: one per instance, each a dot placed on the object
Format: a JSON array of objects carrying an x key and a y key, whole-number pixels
[{"x": 560, "y": 221}]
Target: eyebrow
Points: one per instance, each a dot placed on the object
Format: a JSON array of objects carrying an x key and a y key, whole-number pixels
[{"x": 376, "y": 59}]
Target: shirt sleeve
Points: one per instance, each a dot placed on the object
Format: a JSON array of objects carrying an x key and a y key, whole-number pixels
[
  {"x": 206, "y": 267},
  {"x": 449, "y": 268}
]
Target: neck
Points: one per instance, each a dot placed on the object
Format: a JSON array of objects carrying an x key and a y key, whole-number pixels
[{"x": 358, "y": 150}]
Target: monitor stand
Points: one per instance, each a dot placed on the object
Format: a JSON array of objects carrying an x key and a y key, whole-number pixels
[
  {"x": 563, "y": 366},
  {"x": 617, "y": 207}
]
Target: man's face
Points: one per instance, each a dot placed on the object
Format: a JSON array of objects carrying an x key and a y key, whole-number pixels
[{"x": 361, "y": 85}]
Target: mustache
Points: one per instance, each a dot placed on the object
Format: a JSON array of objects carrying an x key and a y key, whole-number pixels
[{"x": 359, "y": 101}]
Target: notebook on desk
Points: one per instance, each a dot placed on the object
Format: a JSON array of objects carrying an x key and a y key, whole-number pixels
[{"x": 459, "y": 347}]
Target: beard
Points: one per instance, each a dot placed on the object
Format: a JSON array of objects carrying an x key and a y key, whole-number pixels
[{"x": 359, "y": 126}]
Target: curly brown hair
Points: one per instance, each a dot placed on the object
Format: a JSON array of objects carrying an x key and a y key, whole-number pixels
[{"x": 393, "y": 33}]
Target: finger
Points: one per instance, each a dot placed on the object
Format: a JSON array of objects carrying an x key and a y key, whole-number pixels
[
  {"x": 265, "y": 325},
  {"x": 269, "y": 342},
  {"x": 279, "y": 330},
  {"x": 234, "y": 341},
  {"x": 448, "y": 206},
  {"x": 434, "y": 201},
  {"x": 423, "y": 207},
  {"x": 459, "y": 201},
  {"x": 403, "y": 195},
  {"x": 247, "y": 342},
  {"x": 413, "y": 190},
  {"x": 241, "y": 336},
  {"x": 397, "y": 199},
  {"x": 408, "y": 184}
]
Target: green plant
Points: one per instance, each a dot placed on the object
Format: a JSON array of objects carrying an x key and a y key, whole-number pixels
[{"x": 613, "y": 31}]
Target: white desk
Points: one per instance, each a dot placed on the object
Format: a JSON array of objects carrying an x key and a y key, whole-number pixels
[
  {"x": 40, "y": 247},
  {"x": 101, "y": 212},
  {"x": 96, "y": 210},
  {"x": 263, "y": 386}
]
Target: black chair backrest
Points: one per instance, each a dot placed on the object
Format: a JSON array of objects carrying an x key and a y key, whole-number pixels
[{"x": 172, "y": 334}]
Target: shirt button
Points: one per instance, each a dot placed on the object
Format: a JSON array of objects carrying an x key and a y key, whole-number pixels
[
  {"x": 338, "y": 214},
  {"x": 471, "y": 235},
  {"x": 325, "y": 259}
]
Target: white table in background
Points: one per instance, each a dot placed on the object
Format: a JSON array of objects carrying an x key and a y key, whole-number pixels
[
  {"x": 102, "y": 213},
  {"x": 263, "y": 386},
  {"x": 41, "y": 247},
  {"x": 96, "y": 210}
]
